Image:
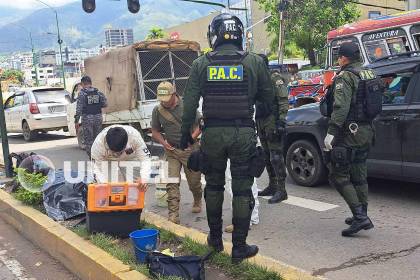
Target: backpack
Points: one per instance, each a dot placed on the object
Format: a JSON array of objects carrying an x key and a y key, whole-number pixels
[
  {"x": 184, "y": 267},
  {"x": 369, "y": 95},
  {"x": 368, "y": 102},
  {"x": 326, "y": 103}
]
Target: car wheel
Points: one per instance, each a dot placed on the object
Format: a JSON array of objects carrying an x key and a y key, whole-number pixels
[
  {"x": 80, "y": 138},
  {"x": 28, "y": 134},
  {"x": 304, "y": 163}
]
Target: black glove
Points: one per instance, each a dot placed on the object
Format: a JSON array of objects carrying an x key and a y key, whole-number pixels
[
  {"x": 280, "y": 127},
  {"x": 186, "y": 139}
]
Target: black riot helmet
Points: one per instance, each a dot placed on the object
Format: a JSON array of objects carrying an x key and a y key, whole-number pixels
[{"x": 225, "y": 28}]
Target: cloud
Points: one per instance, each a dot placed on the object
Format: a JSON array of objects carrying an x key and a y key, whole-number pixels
[{"x": 32, "y": 4}]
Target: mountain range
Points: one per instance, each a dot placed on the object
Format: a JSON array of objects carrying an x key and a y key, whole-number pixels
[{"x": 79, "y": 29}]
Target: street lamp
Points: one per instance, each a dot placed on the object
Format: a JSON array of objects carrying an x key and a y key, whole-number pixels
[{"x": 59, "y": 41}]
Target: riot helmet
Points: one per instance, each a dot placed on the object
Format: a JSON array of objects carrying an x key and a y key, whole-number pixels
[{"x": 225, "y": 28}]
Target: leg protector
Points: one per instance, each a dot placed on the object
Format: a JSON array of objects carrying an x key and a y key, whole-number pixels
[
  {"x": 277, "y": 162},
  {"x": 243, "y": 204},
  {"x": 214, "y": 196}
]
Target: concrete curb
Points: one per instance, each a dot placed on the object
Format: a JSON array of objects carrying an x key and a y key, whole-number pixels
[
  {"x": 78, "y": 255},
  {"x": 288, "y": 272}
]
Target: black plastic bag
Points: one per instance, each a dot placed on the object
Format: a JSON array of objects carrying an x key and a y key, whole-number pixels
[
  {"x": 64, "y": 200},
  {"x": 185, "y": 267}
]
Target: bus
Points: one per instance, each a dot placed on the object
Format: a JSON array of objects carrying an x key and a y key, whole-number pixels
[{"x": 377, "y": 38}]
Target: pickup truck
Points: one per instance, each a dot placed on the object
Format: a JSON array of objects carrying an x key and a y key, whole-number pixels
[
  {"x": 129, "y": 77},
  {"x": 396, "y": 151}
]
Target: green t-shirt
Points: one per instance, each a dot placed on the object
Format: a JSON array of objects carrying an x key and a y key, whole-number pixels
[{"x": 171, "y": 130}]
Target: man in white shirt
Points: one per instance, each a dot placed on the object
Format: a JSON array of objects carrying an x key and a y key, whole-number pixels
[{"x": 119, "y": 144}]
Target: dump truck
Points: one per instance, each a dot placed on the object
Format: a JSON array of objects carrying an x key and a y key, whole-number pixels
[{"x": 129, "y": 77}]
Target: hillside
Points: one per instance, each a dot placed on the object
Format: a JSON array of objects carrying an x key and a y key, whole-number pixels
[{"x": 79, "y": 29}]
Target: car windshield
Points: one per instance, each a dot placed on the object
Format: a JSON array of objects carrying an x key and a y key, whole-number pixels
[{"x": 52, "y": 96}]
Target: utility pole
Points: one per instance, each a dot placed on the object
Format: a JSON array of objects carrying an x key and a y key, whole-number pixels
[
  {"x": 59, "y": 40},
  {"x": 282, "y": 6},
  {"x": 4, "y": 140},
  {"x": 34, "y": 62}
]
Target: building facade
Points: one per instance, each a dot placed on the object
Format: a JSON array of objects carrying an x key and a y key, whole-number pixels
[
  {"x": 259, "y": 38},
  {"x": 118, "y": 37}
]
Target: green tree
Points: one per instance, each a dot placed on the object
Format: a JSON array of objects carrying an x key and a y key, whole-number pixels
[
  {"x": 307, "y": 22},
  {"x": 156, "y": 33},
  {"x": 12, "y": 74}
]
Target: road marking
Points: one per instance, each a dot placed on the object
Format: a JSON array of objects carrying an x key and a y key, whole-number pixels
[
  {"x": 307, "y": 203},
  {"x": 292, "y": 200},
  {"x": 13, "y": 265}
]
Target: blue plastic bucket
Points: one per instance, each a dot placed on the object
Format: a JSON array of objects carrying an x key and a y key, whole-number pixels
[{"x": 144, "y": 242}]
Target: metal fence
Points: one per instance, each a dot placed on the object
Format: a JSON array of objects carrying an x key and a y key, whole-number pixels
[{"x": 156, "y": 66}]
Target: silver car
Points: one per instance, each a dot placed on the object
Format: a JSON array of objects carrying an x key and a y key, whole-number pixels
[{"x": 33, "y": 110}]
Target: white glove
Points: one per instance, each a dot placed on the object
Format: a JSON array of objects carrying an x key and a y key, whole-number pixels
[{"x": 328, "y": 142}]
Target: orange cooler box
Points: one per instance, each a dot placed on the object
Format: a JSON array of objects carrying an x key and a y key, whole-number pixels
[{"x": 114, "y": 208}]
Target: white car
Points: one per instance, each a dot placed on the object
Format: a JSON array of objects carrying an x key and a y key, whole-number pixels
[{"x": 33, "y": 110}]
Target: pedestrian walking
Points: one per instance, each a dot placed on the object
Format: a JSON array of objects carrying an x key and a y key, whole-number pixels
[
  {"x": 89, "y": 110},
  {"x": 350, "y": 134},
  {"x": 271, "y": 129},
  {"x": 166, "y": 129},
  {"x": 229, "y": 80}
]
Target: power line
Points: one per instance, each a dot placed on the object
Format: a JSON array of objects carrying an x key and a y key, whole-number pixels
[{"x": 377, "y": 6}]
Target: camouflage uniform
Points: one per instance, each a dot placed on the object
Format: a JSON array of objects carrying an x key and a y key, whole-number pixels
[
  {"x": 271, "y": 139},
  {"x": 349, "y": 179},
  {"x": 91, "y": 123}
]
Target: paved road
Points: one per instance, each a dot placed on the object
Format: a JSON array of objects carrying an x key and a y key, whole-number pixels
[
  {"x": 305, "y": 231},
  {"x": 21, "y": 260}
]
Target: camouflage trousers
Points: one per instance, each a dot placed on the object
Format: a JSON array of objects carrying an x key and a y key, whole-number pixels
[
  {"x": 91, "y": 126},
  {"x": 178, "y": 159},
  {"x": 273, "y": 150},
  {"x": 350, "y": 179}
]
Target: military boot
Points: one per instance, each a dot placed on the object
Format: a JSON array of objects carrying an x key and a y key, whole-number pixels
[
  {"x": 350, "y": 220},
  {"x": 268, "y": 191},
  {"x": 361, "y": 221},
  {"x": 215, "y": 243},
  {"x": 239, "y": 253},
  {"x": 278, "y": 197}
]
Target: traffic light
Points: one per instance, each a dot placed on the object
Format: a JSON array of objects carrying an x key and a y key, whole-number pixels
[
  {"x": 88, "y": 5},
  {"x": 133, "y": 6}
]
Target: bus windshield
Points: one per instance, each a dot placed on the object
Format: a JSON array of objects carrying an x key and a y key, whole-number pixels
[{"x": 384, "y": 43}]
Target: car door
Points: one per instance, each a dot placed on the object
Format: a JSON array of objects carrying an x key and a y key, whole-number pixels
[
  {"x": 71, "y": 110},
  {"x": 385, "y": 158},
  {"x": 411, "y": 134},
  {"x": 15, "y": 113},
  {"x": 8, "y": 105}
]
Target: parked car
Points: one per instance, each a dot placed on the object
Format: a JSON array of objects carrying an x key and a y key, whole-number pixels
[
  {"x": 396, "y": 152},
  {"x": 33, "y": 110}
]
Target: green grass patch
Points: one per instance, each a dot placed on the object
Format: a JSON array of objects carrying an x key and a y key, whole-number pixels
[{"x": 114, "y": 246}]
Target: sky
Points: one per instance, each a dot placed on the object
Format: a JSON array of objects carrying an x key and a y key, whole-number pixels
[{"x": 31, "y": 4}]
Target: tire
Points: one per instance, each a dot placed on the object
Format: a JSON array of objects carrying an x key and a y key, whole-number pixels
[
  {"x": 80, "y": 138},
  {"x": 28, "y": 134},
  {"x": 304, "y": 163}
]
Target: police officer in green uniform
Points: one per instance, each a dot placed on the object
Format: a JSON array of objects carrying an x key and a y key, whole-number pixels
[
  {"x": 271, "y": 130},
  {"x": 230, "y": 81},
  {"x": 349, "y": 137}
]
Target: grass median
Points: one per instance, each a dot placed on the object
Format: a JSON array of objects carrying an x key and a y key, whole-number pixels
[{"x": 122, "y": 250}]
